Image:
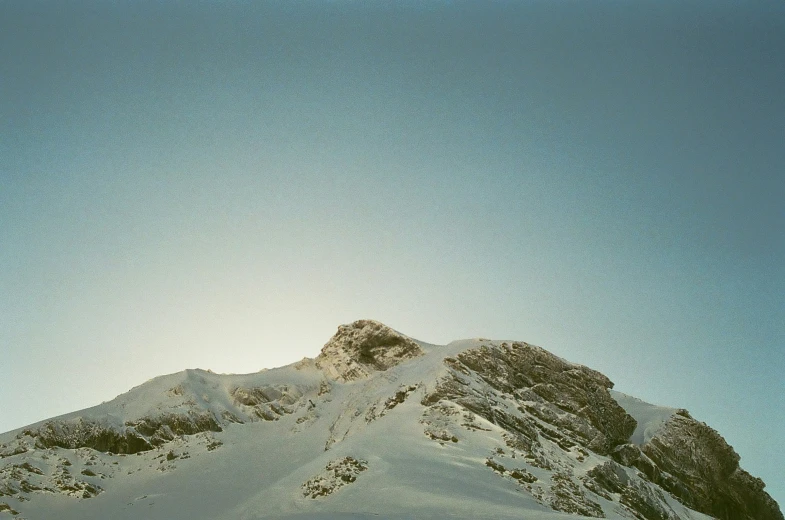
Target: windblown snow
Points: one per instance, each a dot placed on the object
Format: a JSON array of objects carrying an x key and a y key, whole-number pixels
[{"x": 650, "y": 418}]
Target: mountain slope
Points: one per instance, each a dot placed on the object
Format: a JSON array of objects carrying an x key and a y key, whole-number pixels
[{"x": 380, "y": 424}]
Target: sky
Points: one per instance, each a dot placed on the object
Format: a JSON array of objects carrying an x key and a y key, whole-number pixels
[{"x": 221, "y": 184}]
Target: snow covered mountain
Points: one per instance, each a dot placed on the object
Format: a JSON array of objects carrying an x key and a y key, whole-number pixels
[{"x": 380, "y": 426}]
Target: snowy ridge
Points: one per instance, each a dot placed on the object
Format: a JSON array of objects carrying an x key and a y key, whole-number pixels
[
  {"x": 650, "y": 418},
  {"x": 378, "y": 425}
]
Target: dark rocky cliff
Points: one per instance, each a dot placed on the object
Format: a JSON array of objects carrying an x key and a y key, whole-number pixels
[{"x": 705, "y": 472}]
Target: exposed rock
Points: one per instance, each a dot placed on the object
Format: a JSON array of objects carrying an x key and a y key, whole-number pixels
[
  {"x": 631, "y": 455},
  {"x": 19, "y": 480},
  {"x": 10, "y": 451},
  {"x": 5, "y": 507},
  {"x": 80, "y": 433},
  {"x": 646, "y": 502},
  {"x": 268, "y": 402},
  {"x": 337, "y": 474},
  {"x": 439, "y": 422},
  {"x": 568, "y": 497},
  {"x": 135, "y": 436},
  {"x": 164, "y": 427},
  {"x": 538, "y": 398},
  {"x": 495, "y": 466},
  {"x": 283, "y": 394},
  {"x": 399, "y": 397},
  {"x": 704, "y": 472},
  {"x": 29, "y": 468},
  {"x": 556, "y": 400},
  {"x": 379, "y": 410},
  {"x": 364, "y": 347},
  {"x": 522, "y": 476},
  {"x": 571, "y": 397},
  {"x": 642, "y": 499}
]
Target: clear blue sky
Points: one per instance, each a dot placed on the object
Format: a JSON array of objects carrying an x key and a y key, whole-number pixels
[{"x": 195, "y": 184}]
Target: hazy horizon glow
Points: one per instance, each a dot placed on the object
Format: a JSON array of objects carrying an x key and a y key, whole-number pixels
[{"x": 221, "y": 186}]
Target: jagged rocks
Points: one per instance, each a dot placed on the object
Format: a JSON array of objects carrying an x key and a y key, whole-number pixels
[
  {"x": 644, "y": 501},
  {"x": 165, "y": 427},
  {"x": 399, "y": 397},
  {"x": 569, "y": 498},
  {"x": 534, "y": 395},
  {"x": 4, "y": 507},
  {"x": 336, "y": 474},
  {"x": 80, "y": 433},
  {"x": 268, "y": 402},
  {"x": 363, "y": 347},
  {"x": 542, "y": 402},
  {"x": 134, "y": 437},
  {"x": 521, "y": 475},
  {"x": 18, "y": 480},
  {"x": 439, "y": 422},
  {"x": 695, "y": 464},
  {"x": 379, "y": 410},
  {"x": 571, "y": 397},
  {"x": 282, "y": 394},
  {"x": 10, "y": 451}
]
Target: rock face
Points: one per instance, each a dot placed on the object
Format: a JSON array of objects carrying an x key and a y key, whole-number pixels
[
  {"x": 572, "y": 398},
  {"x": 135, "y": 436},
  {"x": 268, "y": 402},
  {"x": 364, "y": 347},
  {"x": 694, "y": 463}
]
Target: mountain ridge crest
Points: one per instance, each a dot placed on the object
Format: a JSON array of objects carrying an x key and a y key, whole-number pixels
[{"x": 376, "y": 409}]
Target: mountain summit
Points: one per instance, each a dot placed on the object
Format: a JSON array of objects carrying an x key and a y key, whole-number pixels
[
  {"x": 380, "y": 425},
  {"x": 364, "y": 347}
]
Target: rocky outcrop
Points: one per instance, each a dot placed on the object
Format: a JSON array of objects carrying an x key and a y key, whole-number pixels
[
  {"x": 135, "y": 436},
  {"x": 81, "y": 433},
  {"x": 21, "y": 479},
  {"x": 571, "y": 403},
  {"x": 336, "y": 474},
  {"x": 364, "y": 347},
  {"x": 6, "y": 508},
  {"x": 165, "y": 427},
  {"x": 696, "y": 465},
  {"x": 540, "y": 400},
  {"x": 568, "y": 497},
  {"x": 269, "y": 403},
  {"x": 643, "y": 500}
]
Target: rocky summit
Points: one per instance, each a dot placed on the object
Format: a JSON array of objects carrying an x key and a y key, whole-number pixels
[
  {"x": 380, "y": 425},
  {"x": 358, "y": 350}
]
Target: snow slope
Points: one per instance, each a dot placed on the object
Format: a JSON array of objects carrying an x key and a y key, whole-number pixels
[{"x": 650, "y": 418}]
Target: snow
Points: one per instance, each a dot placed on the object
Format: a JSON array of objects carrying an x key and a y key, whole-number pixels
[{"x": 650, "y": 417}]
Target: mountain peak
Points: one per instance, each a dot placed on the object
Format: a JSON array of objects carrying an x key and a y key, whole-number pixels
[
  {"x": 474, "y": 429},
  {"x": 360, "y": 348}
]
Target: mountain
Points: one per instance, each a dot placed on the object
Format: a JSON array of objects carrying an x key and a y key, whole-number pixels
[{"x": 380, "y": 425}]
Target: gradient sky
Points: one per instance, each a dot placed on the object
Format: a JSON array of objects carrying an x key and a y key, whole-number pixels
[{"x": 221, "y": 184}]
